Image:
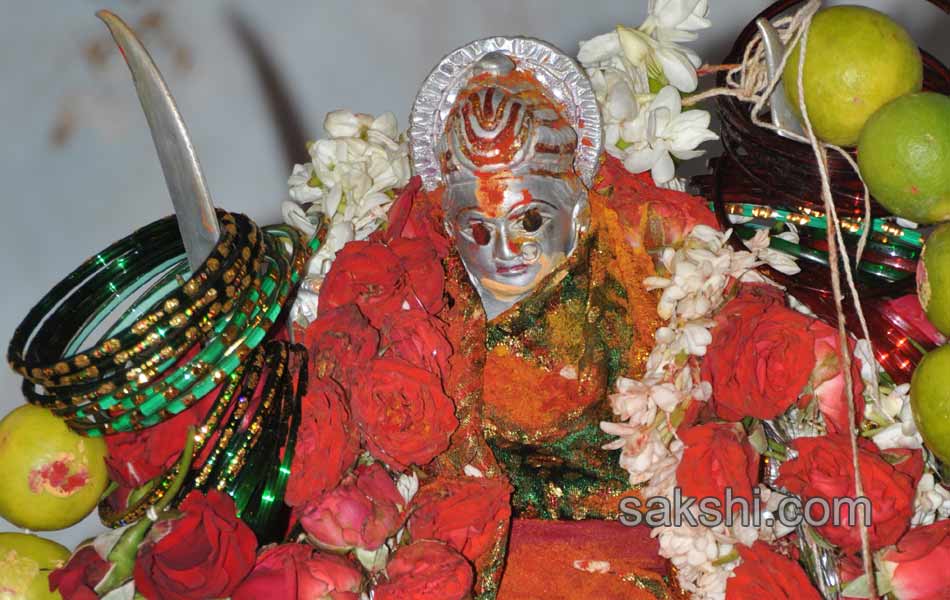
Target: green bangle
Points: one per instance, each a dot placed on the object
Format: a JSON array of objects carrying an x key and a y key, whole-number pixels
[{"x": 41, "y": 361}]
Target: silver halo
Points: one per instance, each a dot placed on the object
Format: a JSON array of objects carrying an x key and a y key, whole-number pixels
[{"x": 560, "y": 75}]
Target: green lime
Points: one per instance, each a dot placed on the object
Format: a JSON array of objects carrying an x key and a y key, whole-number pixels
[
  {"x": 933, "y": 278},
  {"x": 857, "y": 60},
  {"x": 52, "y": 476},
  {"x": 930, "y": 401},
  {"x": 25, "y": 564},
  {"x": 904, "y": 155}
]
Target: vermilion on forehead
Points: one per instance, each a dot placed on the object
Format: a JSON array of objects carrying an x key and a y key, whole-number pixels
[{"x": 493, "y": 196}]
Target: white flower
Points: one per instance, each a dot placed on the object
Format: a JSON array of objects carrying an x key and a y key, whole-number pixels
[
  {"x": 663, "y": 481},
  {"x": 931, "y": 503},
  {"x": 677, "y": 19},
  {"x": 897, "y": 419},
  {"x": 303, "y": 187},
  {"x": 643, "y": 452},
  {"x": 662, "y": 130},
  {"x": 296, "y": 216},
  {"x": 759, "y": 245},
  {"x": 693, "y": 551},
  {"x": 641, "y": 129},
  {"x": 599, "y": 50},
  {"x": 632, "y": 402}
]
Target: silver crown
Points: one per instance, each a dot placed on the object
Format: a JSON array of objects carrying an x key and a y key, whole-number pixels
[{"x": 562, "y": 78}]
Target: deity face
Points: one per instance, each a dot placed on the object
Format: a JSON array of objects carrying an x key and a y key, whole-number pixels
[
  {"x": 513, "y": 230},
  {"x": 513, "y": 201}
]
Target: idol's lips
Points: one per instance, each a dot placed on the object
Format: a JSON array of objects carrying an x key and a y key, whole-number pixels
[{"x": 511, "y": 269}]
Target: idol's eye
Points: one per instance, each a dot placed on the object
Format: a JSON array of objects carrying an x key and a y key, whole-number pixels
[
  {"x": 532, "y": 220},
  {"x": 481, "y": 234}
]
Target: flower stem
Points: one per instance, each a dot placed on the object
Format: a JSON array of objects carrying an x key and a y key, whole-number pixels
[{"x": 123, "y": 553}]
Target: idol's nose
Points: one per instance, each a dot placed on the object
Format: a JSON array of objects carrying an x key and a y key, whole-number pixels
[{"x": 503, "y": 249}]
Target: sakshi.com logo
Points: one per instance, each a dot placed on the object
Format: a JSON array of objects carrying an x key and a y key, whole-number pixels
[{"x": 710, "y": 511}]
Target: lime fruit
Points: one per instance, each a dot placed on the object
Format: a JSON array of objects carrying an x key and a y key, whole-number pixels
[
  {"x": 25, "y": 564},
  {"x": 930, "y": 401},
  {"x": 933, "y": 279},
  {"x": 857, "y": 60},
  {"x": 52, "y": 476},
  {"x": 904, "y": 155}
]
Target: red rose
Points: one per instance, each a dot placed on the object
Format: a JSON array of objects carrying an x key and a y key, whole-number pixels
[
  {"x": 340, "y": 340},
  {"x": 367, "y": 274},
  {"x": 137, "y": 457},
  {"x": 405, "y": 416},
  {"x": 918, "y": 565},
  {"x": 417, "y": 338},
  {"x": 205, "y": 553},
  {"x": 328, "y": 443},
  {"x": 78, "y": 578},
  {"x": 662, "y": 217},
  {"x": 827, "y": 380},
  {"x": 760, "y": 357},
  {"x": 468, "y": 514},
  {"x": 717, "y": 456},
  {"x": 424, "y": 270},
  {"x": 383, "y": 279},
  {"x": 299, "y": 571},
  {"x": 426, "y": 570},
  {"x": 362, "y": 512},
  {"x": 823, "y": 469},
  {"x": 765, "y": 574}
]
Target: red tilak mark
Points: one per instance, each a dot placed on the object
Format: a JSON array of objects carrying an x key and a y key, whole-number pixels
[
  {"x": 55, "y": 477},
  {"x": 490, "y": 192}
]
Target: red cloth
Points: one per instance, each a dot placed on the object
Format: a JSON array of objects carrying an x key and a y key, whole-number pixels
[{"x": 541, "y": 557}]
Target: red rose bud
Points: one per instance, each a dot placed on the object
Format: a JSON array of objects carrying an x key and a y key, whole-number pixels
[
  {"x": 415, "y": 215},
  {"x": 203, "y": 554},
  {"x": 717, "y": 456},
  {"x": 340, "y": 342},
  {"x": 404, "y": 414},
  {"x": 765, "y": 574},
  {"x": 417, "y": 338},
  {"x": 918, "y": 566},
  {"x": 426, "y": 570},
  {"x": 827, "y": 379},
  {"x": 328, "y": 443},
  {"x": 362, "y": 512},
  {"x": 755, "y": 361},
  {"x": 78, "y": 578},
  {"x": 299, "y": 571},
  {"x": 468, "y": 514},
  {"x": 823, "y": 469}
]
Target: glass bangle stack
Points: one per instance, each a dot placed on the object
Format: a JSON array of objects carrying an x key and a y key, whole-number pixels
[
  {"x": 130, "y": 339},
  {"x": 765, "y": 180}
]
